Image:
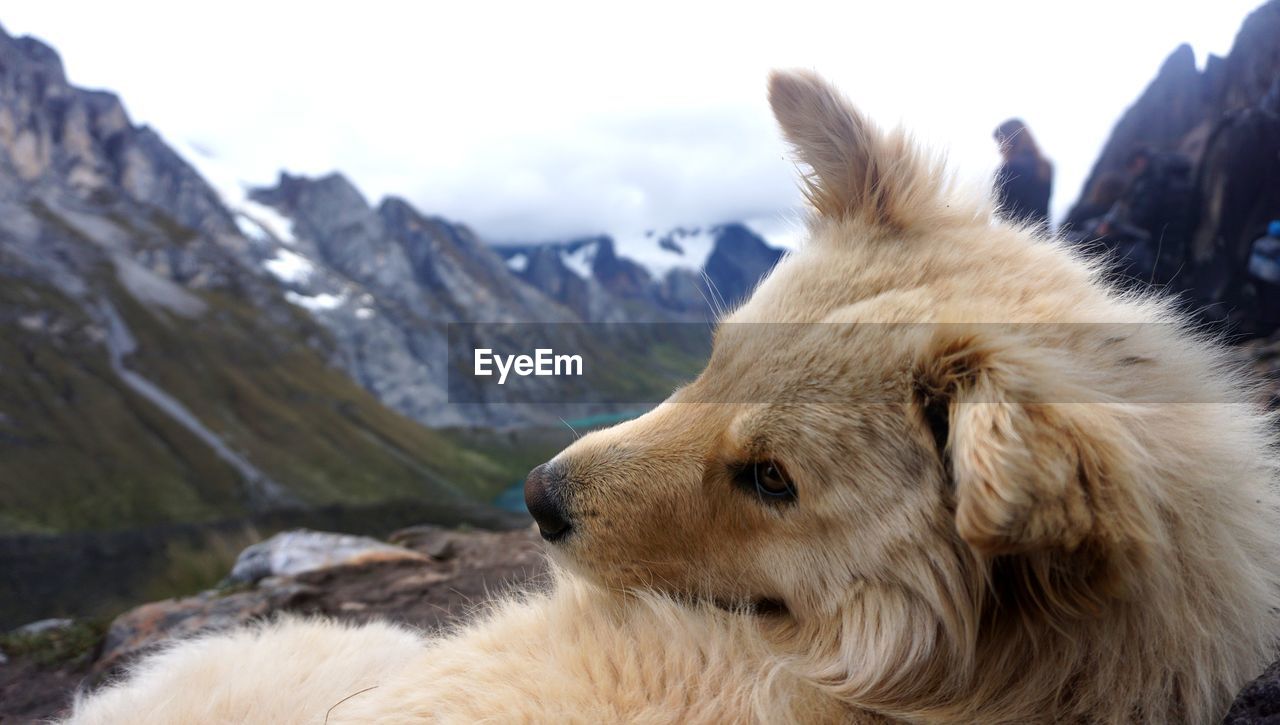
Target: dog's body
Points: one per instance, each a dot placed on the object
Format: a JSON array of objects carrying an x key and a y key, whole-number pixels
[
  {"x": 971, "y": 482},
  {"x": 575, "y": 654}
]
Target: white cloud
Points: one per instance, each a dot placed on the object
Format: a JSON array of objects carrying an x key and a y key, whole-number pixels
[{"x": 539, "y": 120}]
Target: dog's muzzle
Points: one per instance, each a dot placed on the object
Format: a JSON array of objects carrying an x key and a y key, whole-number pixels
[{"x": 543, "y": 495}]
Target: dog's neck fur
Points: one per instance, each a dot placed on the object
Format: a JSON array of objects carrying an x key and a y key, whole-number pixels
[{"x": 998, "y": 644}]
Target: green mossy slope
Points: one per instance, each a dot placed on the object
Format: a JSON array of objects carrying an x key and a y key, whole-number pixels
[{"x": 80, "y": 450}]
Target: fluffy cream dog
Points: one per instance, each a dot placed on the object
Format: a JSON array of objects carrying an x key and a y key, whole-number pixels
[{"x": 955, "y": 477}]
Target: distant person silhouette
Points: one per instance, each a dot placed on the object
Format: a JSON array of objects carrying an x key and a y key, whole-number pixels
[{"x": 1025, "y": 179}]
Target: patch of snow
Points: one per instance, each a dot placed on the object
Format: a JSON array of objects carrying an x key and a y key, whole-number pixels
[
  {"x": 579, "y": 260},
  {"x": 364, "y": 313},
  {"x": 683, "y": 248},
  {"x": 696, "y": 244},
  {"x": 690, "y": 247},
  {"x": 290, "y": 267},
  {"x": 266, "y": 217},
  {"x": 223, "y": 180},
  {"x": 518, "y": 262},
  {"x": 32, "y": 323},
  {"x": 254, "y": 219},
  {"x": 315, "y": 303},
  {"x": 659, "y": 253},
  {"x": 250, "y": 228}
]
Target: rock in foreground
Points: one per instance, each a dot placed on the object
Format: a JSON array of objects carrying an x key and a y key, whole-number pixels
[
  {"x": 296, "y": 552},
  {"x": 1259, "y": 702},
  {"x": 427, "y": 577}
]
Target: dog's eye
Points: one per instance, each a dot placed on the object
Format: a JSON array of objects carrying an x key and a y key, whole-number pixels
[{"x": 770, "y": 481}]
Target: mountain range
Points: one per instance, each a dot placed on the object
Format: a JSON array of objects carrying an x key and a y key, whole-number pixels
[
  {"x": 681, "y": 274},
  {"x": 175, "y": 346}
]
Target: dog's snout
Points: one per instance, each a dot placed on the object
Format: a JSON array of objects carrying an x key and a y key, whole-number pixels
[{"x": 544, "y": 497}]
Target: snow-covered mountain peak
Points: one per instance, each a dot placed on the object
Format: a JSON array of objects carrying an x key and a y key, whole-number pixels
[{"x": 659, "y": 252}]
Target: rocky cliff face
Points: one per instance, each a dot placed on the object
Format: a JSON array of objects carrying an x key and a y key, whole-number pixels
[
  {"x": 1171, "y": 107},
  {"x": 1180, "y": 108},
  {"x": 1225, "y": 121},
  {"x": 737, "y": 262},
  {"x": 54, "y": 133},
  {"x": 385, "y": 282}
]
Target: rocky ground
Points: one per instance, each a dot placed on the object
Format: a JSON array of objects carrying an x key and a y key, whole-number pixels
[
  {"x": 1259, "y": 702},
  {"x": 430, "y": 578}
]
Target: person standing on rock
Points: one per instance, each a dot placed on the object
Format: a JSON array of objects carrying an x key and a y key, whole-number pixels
[{"x": 1024, "y": 181}]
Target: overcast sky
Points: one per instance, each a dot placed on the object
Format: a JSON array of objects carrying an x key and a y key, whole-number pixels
[{"x": 539, "y": 120}]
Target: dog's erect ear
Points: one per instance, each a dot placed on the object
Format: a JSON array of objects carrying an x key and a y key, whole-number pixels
[
  {"x": 1035, "y": 466},
  {"x": 858, "y": 171}
]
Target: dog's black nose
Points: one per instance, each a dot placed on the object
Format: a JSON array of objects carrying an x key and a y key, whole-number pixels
[{"x": 542, "y": 496}]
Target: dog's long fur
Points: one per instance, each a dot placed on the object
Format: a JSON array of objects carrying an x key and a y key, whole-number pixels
[{"x": 1020, "y": 495}]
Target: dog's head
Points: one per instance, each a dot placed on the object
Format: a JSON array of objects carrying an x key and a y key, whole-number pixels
[{"x": 849, "y": 456}]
